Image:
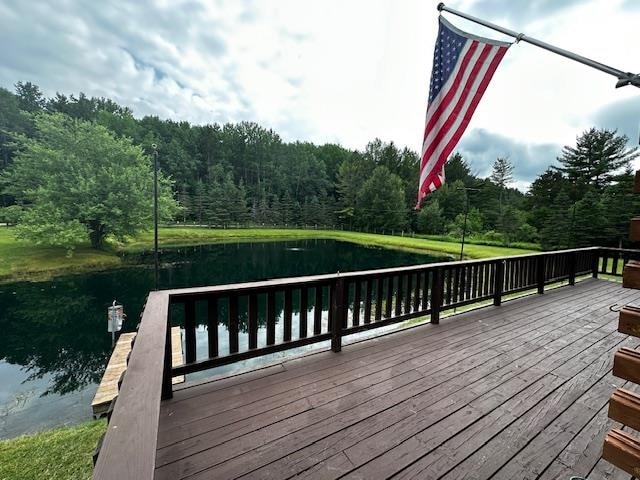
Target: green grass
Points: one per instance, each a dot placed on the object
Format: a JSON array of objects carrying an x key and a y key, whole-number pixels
[
  {"x": 180, "y": 236},
  {"x": 24, "y": 261},
  {"x": 61, "y": 453}
]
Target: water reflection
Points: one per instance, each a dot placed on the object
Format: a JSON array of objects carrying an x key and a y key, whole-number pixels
[{"x": 54, "y": 343}]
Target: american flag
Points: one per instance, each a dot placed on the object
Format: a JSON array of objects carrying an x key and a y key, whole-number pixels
[{"x": 463, "y": 65}]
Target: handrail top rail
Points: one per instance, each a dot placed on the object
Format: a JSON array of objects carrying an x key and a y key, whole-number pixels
[
  {"x": 179, "y": 293},
  {"x": 134, "y": 422}
]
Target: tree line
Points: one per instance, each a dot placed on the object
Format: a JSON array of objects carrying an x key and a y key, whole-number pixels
[{"x": 243, "y": 174}]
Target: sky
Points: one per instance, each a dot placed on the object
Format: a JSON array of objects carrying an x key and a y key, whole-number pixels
[{"x": 333, "y": 71}]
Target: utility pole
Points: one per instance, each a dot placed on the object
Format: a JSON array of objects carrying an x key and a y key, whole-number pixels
[
  {"x": 466, "y": 213},
  {"x": 155, "y": 210}
]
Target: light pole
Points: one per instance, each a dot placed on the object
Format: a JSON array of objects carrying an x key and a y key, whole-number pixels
[
  {"x": 155, "y": 210},
  {"x": 466, "y": 213}
]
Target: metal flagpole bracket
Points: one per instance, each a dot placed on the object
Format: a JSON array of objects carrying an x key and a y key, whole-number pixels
[
  {"x": 624, "y": 78},
  {"x": 630, "y": 79}
]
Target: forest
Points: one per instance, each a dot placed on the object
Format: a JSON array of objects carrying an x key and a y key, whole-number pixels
[{"x": 245, "y": 175}]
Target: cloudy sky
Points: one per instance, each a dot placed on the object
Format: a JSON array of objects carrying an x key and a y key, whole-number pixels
[{"x": 332, "y": 70}]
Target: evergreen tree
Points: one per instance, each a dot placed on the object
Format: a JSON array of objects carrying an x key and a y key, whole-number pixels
[
  {"x": 556, "y": 234},
  {"x": 595, "y": 160},
  {"x": 380, "y": 204},
  {"x": 587, "y": 222},
  {"x": 430, "y": 219}
]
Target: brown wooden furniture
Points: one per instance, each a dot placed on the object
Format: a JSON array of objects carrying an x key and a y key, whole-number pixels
[{"x": 622, "y": 448}]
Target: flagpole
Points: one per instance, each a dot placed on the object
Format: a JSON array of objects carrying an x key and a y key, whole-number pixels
[{"x": 624, "y": 78}]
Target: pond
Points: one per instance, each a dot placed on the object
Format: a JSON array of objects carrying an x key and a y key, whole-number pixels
[{"x": 54, "y": 343}]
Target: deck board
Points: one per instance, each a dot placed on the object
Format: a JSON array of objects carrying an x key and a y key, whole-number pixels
[{"x": 516, "y": 391}]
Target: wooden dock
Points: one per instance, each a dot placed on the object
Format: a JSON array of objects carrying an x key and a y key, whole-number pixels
[{"x": 108, "y": 388}]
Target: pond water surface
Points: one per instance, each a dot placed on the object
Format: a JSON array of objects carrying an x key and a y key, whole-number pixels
[{"x": 54, "y": 344}]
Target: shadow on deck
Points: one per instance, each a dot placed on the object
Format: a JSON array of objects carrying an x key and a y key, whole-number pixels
[{"x": 517, "y": 391}]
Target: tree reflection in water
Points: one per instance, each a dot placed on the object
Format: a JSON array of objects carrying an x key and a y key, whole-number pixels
[{"x": 58, "y": 329}]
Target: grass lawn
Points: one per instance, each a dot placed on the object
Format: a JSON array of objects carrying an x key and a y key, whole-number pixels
[
  {"x": 21, "y": 260},
  {"x": 24, "y": 261},
  {"x": 60, "y": 454},
  {"x": 178, "y": 236}
]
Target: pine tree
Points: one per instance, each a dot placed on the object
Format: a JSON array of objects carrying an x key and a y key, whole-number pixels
[{"x": 595, "y": 160}]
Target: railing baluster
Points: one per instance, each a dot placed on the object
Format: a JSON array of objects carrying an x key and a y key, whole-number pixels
[
  {"x": 540, "y": 264},
  {"x": 449, "y": 272},
  {"x": 271, "y": 317},
  {"x": 317, "y": 311},
  {"x": 436, "y": 295},
  {"x": 456, "y": 285},
  {"x": 338, "y": 311},
  {"x": 356, "y": 303},
  {"x": 399, "y": 295},
  {"x": 233, "y": 324},
  {"x": 253, "y": 321},
  {"x": 212, "y": 326},
  {"x": 379, "y": 283},
  {"x": 416, "y": 293},
  {"x": 304, "y": 300},
  {"x": 288, "y": 312},
  {"x": 425, "y": 290},
  {"x": 389, "y": 303},
  {"x": 408, "y": 292},
  {"x": 499, "y": 282},
  {"x": 190, "y": 330},
  {"x": 367, "y": 301}
]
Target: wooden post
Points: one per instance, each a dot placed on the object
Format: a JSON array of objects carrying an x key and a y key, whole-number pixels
[
  {"x": 499, "y": 282},
  {"x": 595, "y": 262},
  {"x": 541, "y": 273},
  {"x": 338, "y": 313},
  {"x": 190, "y": 330},
  {"x": 436, "y": 296},
  {"x": 167, "y": 387}
]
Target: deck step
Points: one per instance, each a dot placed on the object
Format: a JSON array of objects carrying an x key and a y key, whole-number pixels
[
  {"x": 623, "y": 451},
  {"x": 108, "y": 388},
  {"x": 629, "y": 320},
  {"x": 624, "y": 407},
  {"x": 626, "y": 364}
]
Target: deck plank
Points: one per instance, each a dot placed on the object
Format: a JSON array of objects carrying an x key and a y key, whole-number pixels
[{"x": 498, "y": 385}]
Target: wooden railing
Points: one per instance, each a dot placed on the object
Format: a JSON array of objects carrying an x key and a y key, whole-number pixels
[{"x": 241, "y": 321}]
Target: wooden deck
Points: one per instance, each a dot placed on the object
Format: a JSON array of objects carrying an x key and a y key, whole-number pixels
[{"x": 518, "y": 391}]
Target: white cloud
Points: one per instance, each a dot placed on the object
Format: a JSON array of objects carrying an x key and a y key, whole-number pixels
[{"x": 329, "y": 71}]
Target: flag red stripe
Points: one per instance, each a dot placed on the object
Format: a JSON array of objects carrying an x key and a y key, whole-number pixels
[
  {"x": 433, "y": 177},
  {"x": 453, "y": 116},
  {"x": 469, "y": 113},
  {"x": 450, "y": 112},
  {"x": 432, "y": 116}
]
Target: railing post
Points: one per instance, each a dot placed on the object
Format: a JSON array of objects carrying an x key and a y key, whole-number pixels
[
  {"x": 572, "y": 268},
  {"x": 167, "y": 387},
  {"x": 436, "y": 296},
  {"x": 595, "y": 262},
  {"x": 338, "y": 313},
  {"x": 541, "y": 273},
  {"x": 499, "y": 282}
]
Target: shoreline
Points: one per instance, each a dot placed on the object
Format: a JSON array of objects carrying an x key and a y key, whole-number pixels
[{"x": 29, "y": 262}]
